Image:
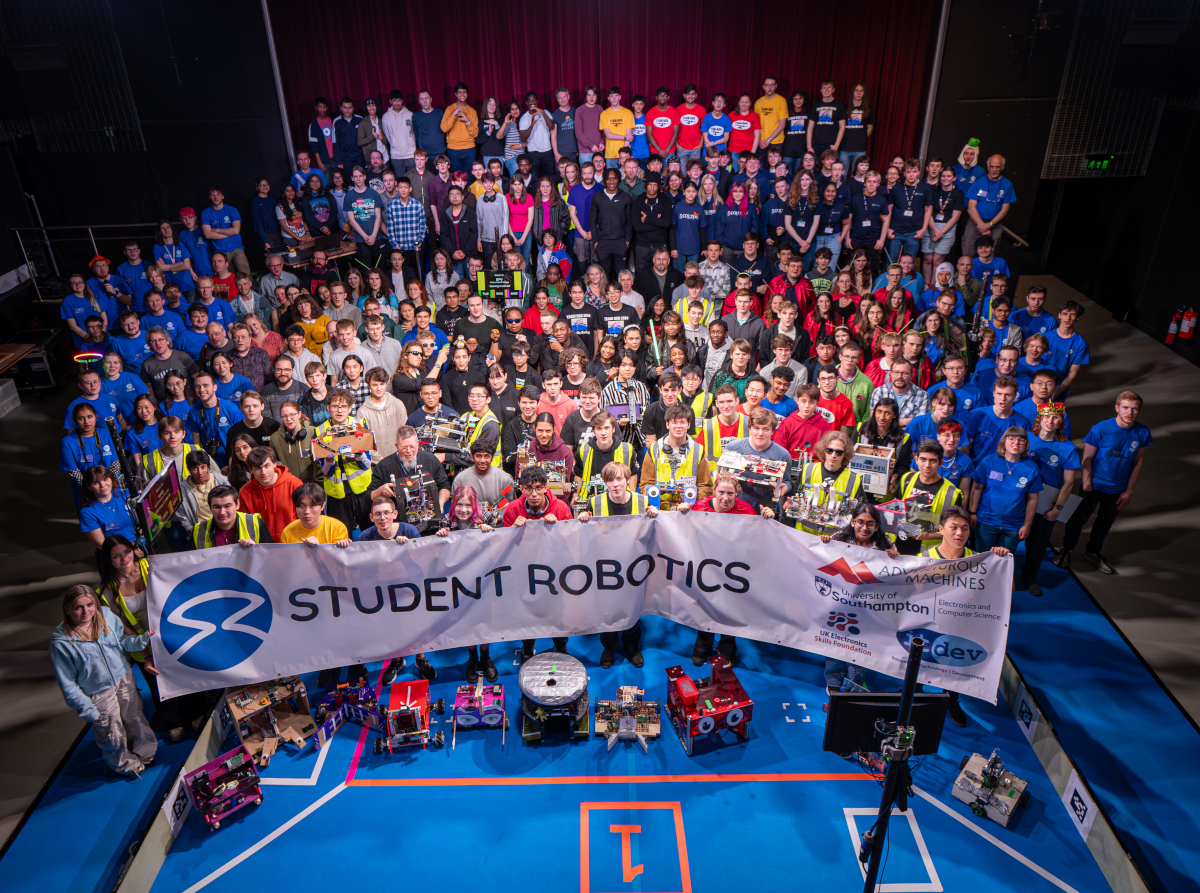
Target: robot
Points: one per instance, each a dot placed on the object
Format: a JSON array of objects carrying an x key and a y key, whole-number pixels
[
  {"x": 346, "y": 702},
  {"x": 406, "y": 724},
  {"x": 554, "y": 697},
  {"x": 629, "y": 718},
  {"x": 988, "y": 788},
  {"x": 443, "y": 435},
  {"x": 420, "y": 507},
  {"x": 223, "y": 786},
  {"x": 479, "y": 706},
  {"x": 710, "y": 707},
  {"x": 909, "y": 517}
]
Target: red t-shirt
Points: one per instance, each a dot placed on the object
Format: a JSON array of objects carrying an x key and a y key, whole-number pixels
[
  {"x": 838, "y": 412},
  {"x": 740, "y": 507},
  {"x": 661, "y": 123},
  {"x": 557, "y": 508},
  {"x": 741, "y": 137},
  {"x": 725, "y": 432},
  {"x": 223, "y": 288},
  {"x": 798, "y": 435},
  {"x": 689, "y": 126}
]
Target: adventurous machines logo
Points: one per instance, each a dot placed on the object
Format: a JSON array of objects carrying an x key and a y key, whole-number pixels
[{"x": 215, "y": 619}]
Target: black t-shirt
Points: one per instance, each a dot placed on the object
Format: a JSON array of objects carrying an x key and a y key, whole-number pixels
[
  {"x": 482, "y": 331},
  {"x": 867, "y": 211},
  {"x": 262, "y": 433},
  {"x": 654, "y": 421},
  {"x": 447, "y": 320},
  {"x": 908, "y": 206},
  {"x": 825, "y": 117},
  {"x": 583, "y": 323},
  {"x": 795, "y": 135},
  {"x": 519, "y": 380},
  {"x": 625, "y": 508},
  {"x": 815, "y": 367},
  {"x": 456, "y": 385},
  {"x": 427, "y": 463},
  {"x": 504, "y": 405},
  {"x": 613, "y": 322},
  {"x": 855, "y": 138},
  {"x": 945, "y": 203}
]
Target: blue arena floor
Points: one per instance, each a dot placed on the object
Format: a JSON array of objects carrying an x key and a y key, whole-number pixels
[{"x": 771, "y": 810}]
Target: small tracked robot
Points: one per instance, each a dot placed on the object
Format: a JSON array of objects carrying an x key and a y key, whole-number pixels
[
  {"x": 629, "y": 718},
  {"x": 479, "y": 706},
  {"x": 988, "y": 788},
  {"x": 709, "y": 707}
]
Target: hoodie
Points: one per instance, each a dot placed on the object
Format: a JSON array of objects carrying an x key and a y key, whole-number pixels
[
  {"x": 84, "y": 668},
  {"x": 558, "y": 450},
  {"x": 274, "y": 503}
]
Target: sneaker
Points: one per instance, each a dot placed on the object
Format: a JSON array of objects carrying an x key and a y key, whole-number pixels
[
  {"x": 560, "y": 649},
  {"x": 635, "y": 657},
  {"x": 957, "y": 714},
  {"x": 357, "y": 672},
  {"x": 175, "y": 735},
  {"x": 325, "y": 677},
  {"x": 526, "y": 653},
  {"x": 699, "y": 654},
  {"x": 606, "y": 658},
  {"x": 395, "y": 665},
  {"x": 1035, "y": 590},
  {"x": 472, "y": 668},
  {"x": 425, "y": 668},
  {"x": 1101, "y": 563},
  {"x": 1063, "y": 559},
  {"x": 490, "y": 673}
]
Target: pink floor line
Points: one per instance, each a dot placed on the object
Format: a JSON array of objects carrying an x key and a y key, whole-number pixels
[{"x": 362, "y": 738}]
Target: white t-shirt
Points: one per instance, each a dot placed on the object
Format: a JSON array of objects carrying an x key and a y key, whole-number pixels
[{"x": 539, "y": 137}]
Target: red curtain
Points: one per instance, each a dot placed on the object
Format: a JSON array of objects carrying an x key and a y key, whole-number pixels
[{"x": 371, "y": 47}]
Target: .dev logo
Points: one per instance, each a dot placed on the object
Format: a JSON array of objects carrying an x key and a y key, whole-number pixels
[
  {"x": 215, "y": 619},
  {"x": 951, "y": 651}
]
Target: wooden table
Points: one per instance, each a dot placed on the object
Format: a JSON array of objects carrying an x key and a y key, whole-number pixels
[
  {"x": 11, "y": 354},
  {"x": 332, "y": 245}
]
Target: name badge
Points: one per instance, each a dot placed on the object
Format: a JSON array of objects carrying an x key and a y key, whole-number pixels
[
  {"x": 866, "y": 222},
  {"x": 940, "y": 218},
  {"x": 996, "y": 475},
  {"x": 829, "y": 229},
  {"x": 908, "y": 213}
]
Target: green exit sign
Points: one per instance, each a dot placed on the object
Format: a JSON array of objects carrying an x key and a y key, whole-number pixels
[{"x": 1100, "y": 161}]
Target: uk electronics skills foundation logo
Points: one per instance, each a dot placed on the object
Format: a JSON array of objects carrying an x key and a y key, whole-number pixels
[
  {"x": 843, "y": 623},
  {"x": 949, "y": 651},
  {"x": 215, "y": 619}
]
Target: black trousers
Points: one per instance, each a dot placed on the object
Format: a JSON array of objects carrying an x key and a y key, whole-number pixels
[
  {"x": 643, "y": 253},
  {"x": 728, "y": 643},
  {"x": 611, "y": 256},
  {"x": 630, "y": 639},
  {"x": 374, "y": 255},
  {"x": 1105, "y": 507},
  {"x": 543, "y": 164},
  {"x": 1035, "y": 547},
  {"x": 353, "y": 510},
  {"x": 559, "y": 643}
]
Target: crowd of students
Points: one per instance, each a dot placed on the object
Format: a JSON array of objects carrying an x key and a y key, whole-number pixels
[{"x": 704, "y": 282}]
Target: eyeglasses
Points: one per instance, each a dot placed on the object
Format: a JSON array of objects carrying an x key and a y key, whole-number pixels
[
  {"x": 829, "y": 451},
  {"x": 867, "y": 524}
]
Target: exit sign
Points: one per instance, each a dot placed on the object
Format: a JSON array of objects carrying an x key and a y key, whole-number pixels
[{"x": 1100, "y": 161}]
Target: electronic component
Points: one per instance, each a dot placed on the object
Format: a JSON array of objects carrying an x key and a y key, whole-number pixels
[
  {"x": 406, "y": 723},
  {"x": 344, "y": 440},
  {"x": 264, "y": 721},
  {"x": 223, "y": 786},
  {"x": 479, "y": 706},
  {"x": 346, "y": 702},
  {"x": 418, "y": 493},
  {"x": 909, "y": 517},
  {"x": 586, "y": 492},
  {"x": 443, "y": 435},
  {"x": 988, "y": 788},
  {"x": 554, "y": 697},
  {"x": 629, "y": 718},
  {"x": 710, "y": 707},
  {"x": 752, "y": 469}
]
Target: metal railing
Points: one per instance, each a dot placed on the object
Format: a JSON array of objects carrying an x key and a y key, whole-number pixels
[{"x": 61, "y": 250}]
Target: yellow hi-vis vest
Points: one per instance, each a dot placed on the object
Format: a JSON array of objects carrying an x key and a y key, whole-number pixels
[
  {"x": 111, "y": 596},
  {"x": 488, "y": 416},
  {"x": 154, "y": 462},
  {"x": 624, "y": 455},
  {"x": 690, "y": 467},
  {"x": 683, "y": 304},
  {"x": 354, "y": 471},
  {"x": 599, "y": 506},
  {"x": 712, "y": 437},
  {"x": 947, "y": 493},
  {"x": 847, "y": 481},
  {"x": 248, "y": 528}
]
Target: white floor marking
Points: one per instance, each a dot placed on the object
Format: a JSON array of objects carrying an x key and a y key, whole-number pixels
[
  {"x": 933, "y": 885},
  {"x": 246, "y": 854},
  {"x": 311, "y": 780},
  {"x": 962, "y": 820}
]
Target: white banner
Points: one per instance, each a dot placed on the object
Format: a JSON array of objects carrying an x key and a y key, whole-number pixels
[{"x": 233, "y": 615}]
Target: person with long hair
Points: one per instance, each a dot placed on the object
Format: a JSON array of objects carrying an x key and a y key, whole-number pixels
[
  {"x": 463, "y": 513},
  {"x": 846, "y": 297},
  {"x": 935, "y": 338},
  {"x": 596, "y": 281},
  {"x": 510, "y": 132},
  {"x": 520, "y": 217},
  {"x": 378, "y": 289},
  {"x": 802, "y": 217},
  {"x": 795, "y": 134},
  {"x": 823, "y": 318},
  {"x": 103, "y": 510},
  {"x": 1059, "y": 464},
  {"x": 317, "y": 206},
  {"x": 604, "y": 367},
  {"x": 506, "y": 244},
  {"x": 80, "y": 304},
  {"x": 549, "y": 213},
  {"x": 710, "y": 200},
  {"x": 736, "y": 217},
  {"x": 173, "y": 260},
  {"x": 1004, "y": 497},
  {"x": 490, "y": 140},
  {"x": 239, "y": 451},
  {"x": 899, "y": 313},
  {"x": 85, "y": 447},
  {"x": 860, "y": 124},
  {"x": 442, "y": 274},
  {"x": 859, "y": 269},
  {"x": 141, "y": 438},
  {"x": 88, "y": 651},
  {"x": 882, "y": 429}
]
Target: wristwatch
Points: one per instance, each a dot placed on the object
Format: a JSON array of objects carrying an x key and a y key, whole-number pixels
[{"x": 1058, "y": 508}]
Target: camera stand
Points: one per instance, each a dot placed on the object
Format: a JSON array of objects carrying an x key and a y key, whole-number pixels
[{"x": 897, "y": 748}]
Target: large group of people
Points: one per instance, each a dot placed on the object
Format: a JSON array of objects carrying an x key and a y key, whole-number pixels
[{"x": 682, "y": 282}]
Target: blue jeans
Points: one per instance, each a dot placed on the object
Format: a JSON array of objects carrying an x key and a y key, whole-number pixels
[
  {"x": 686, "y": 155},
  {"x": 847, "y": 160},
  {"x": 830, "y": 242},
  {"x": 793, "y": 163},
  {"x": 402, "y": 166},
  {"x": 611, "y": 162},
  {"x": 986, "y": 536},
  {"x": 526, "y": 248},
  {"x": 510, "y": 165},
  {"x": 487, "y": 159},
  {"x": 461, "y": 159},
  {"x": 460, "y": 267},
  {"x": 903, "y": 243},
  {"x": 682, "y": 260}
]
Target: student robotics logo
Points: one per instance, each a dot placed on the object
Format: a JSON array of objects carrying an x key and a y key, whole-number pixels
[
  {"x": 949, "y": 651},
  {"x": 215, "y": 619},
  {"x": 843, "y": 623}
]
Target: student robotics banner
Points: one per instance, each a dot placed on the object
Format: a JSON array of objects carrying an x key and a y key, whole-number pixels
[{"x": 234, "y": 615}]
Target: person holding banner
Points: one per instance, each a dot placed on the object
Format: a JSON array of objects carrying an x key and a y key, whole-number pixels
[
  {"x": 536, "y": 503},
  {"x": 677, "y": 462},
  {"x": 928, "y": 479},
  {"x": 228, "y": 525},
  {"x": 1005, "y": 497},
  {"x": 724, "y": 501},
  {"x": 1059, "y": 463},
  {"x": 88, "y": 653},
  {"x": 831, "y": 465}
]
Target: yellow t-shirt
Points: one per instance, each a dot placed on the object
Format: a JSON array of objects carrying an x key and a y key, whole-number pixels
[
  {"x": 618, "y": 120},
  {"x": 328, "y": 530},
  {"x": 771, "y": 110}
]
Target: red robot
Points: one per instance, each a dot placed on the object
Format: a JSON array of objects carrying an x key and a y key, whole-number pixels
[{"x": 709, "y": 707}]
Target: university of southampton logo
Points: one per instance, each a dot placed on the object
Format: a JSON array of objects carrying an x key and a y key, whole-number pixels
[
  {"x": 843, "y": 622},
  {"x": 215, "y": 619}
]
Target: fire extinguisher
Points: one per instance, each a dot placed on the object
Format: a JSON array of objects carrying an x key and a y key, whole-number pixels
[
  {"x": 1173, "y": 328},
  {"x": 1187, "y": 328}
]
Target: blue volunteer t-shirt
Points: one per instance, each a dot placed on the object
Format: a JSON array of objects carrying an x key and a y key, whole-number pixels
[
  {"x": 124, "y": 389},
  {"x": 1053, "y": 458},
  {"x": 177, "y": 254},
  {"x": 1006, "y": 486},
  {"x": 190, "y": 342},
  {"x": 928, "y": 301},
  {"x": 105, "y": 407},
  {"x": 168, "y": 319},
  {"x": 233, "y": 389},
  {"x": 1028, "y": 408},
  {"x": 144, "y": 442},
  {"x": 1116, "y": 452},
  {"x": 138, "y": 281},
  {"x": 198, "y": 250},
  {"x": 213, "y": 424},
  {"x": 221, "y": 311},
  {"x": 111, "y": 517},
  {"x": 80, "y": 308},
  {"x": 1066, "y": 352},
  {"x": 965, "y": 177},
  {"x": 131, "y": 350},
  {"x": 222, "y": 218},
  {"x": 924, "y": 428},
  {"x": 983, "y": 428},
  {"x": 716, "y": 128},
  {"x": 990, "y": 195},
  {"x": 954, "y": 468},
  {"x": 968, "y": 398},
  {"x": 1042, "y": 324},
  {"x": 79, "y": 453}
]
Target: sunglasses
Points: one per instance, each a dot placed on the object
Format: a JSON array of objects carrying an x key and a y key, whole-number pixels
[{"x": 833, "y": 452}]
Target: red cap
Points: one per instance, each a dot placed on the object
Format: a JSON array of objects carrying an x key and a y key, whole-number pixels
[
  {"x": 187, "y": 212},
  {"x": 92, "y": 262}
]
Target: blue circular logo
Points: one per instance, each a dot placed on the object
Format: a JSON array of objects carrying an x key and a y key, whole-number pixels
[{"x": 215, "y": 619}]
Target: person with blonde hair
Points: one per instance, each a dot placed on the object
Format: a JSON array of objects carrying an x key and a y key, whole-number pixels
[{"x": 88, "y": 653}]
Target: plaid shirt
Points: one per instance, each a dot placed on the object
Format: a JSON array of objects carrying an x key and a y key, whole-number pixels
[
  {"x": 718, "y": 281},
  {"x": 405, "y": 224},
  {"x": 912, "y": 404},
  {"x": 361, "y": 392},
  {"x": 255, "y": 365}
]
